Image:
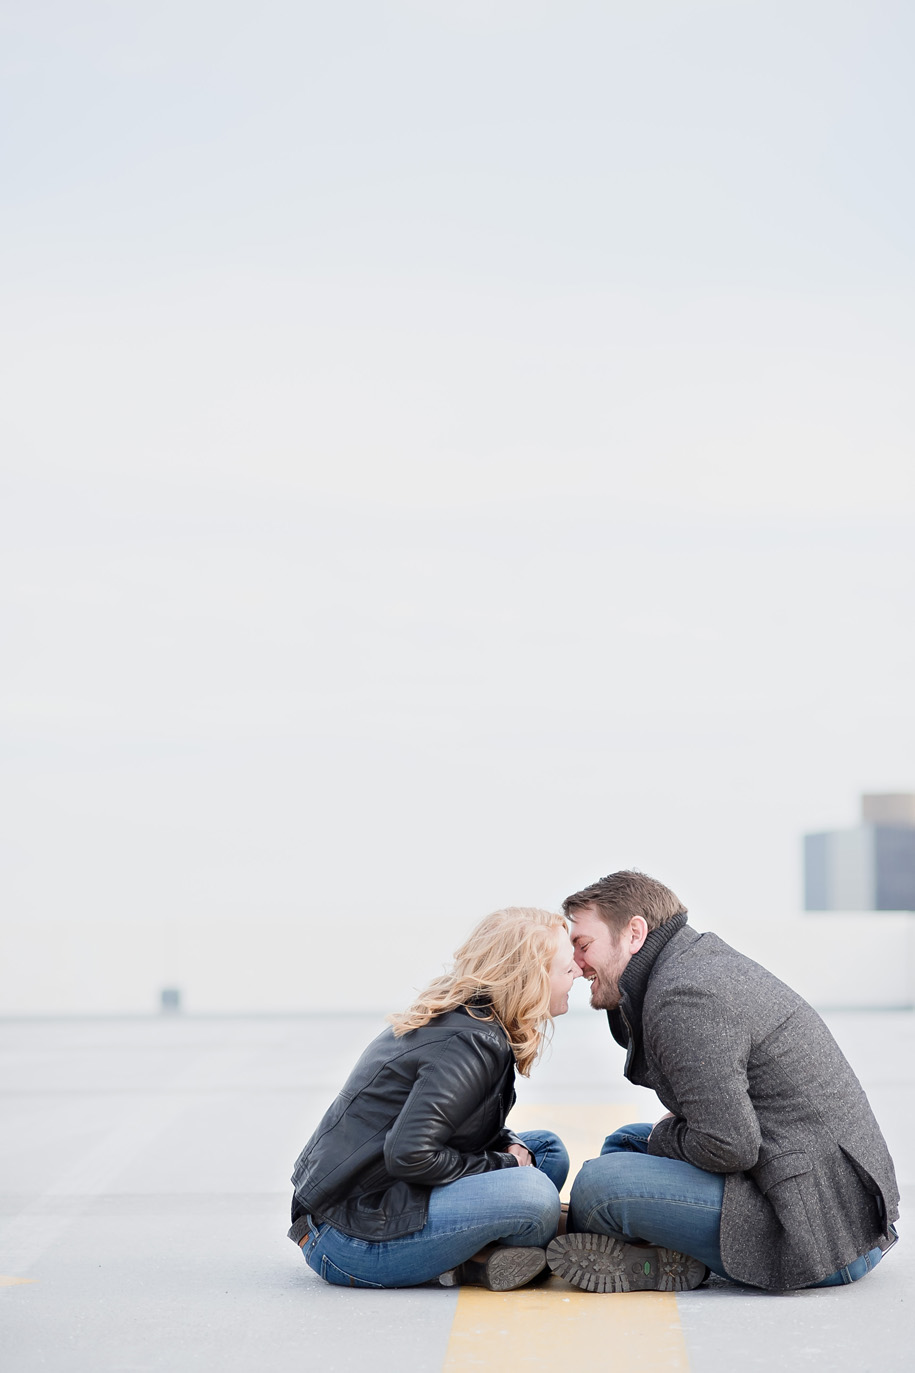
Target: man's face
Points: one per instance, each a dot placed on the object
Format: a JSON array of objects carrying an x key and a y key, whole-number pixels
[{"x": 601, "y": 955}]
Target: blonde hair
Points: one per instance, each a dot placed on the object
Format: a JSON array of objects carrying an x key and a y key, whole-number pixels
[{"x": 506, "y": 964}]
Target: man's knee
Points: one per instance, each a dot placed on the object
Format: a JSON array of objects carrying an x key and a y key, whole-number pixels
[
  {"x": 631, "y": 1139},
  {"x": 598, "y": 1185},
  {"x": 611, "y": 1193},
  {"x": 604, "y": 1174}
]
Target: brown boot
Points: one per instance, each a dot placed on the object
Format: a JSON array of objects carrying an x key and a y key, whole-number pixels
[{"x": 501, "y": 1269}]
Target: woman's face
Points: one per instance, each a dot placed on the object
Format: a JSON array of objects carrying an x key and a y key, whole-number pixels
[{"x": 563, "y": 972}]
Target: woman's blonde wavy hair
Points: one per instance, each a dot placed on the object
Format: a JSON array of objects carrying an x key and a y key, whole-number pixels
[{"x": 506, "y": 965}]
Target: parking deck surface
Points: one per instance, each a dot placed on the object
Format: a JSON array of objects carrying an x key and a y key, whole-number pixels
[{"x": 145, "y": 1198}]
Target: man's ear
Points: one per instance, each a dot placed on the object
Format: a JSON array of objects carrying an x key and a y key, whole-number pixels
[{"x": 637, "y": 931}]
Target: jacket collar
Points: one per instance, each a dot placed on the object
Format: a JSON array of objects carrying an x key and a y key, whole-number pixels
[{"x": 626, "y": 1020}]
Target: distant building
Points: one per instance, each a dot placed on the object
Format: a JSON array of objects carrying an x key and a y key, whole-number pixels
[{"x": 868, "y": 868}]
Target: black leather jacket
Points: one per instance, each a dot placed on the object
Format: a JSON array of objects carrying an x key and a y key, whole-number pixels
[{"x": 416, "y": 1112}]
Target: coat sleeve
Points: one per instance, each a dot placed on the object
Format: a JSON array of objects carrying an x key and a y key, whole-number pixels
[
  {"x": 504, "y": 1138},
  {"x": 447, "y": 1091},
  {"x": 702, "y": 1045}
]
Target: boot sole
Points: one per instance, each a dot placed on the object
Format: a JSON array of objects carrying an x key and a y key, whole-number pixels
[
  {"x": 600, "y": 1263},
  {"x": 504, "y": 1270}
]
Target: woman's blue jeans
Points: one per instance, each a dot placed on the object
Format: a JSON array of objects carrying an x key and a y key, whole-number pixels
[
  {"x": 516, "y": 1206},
  {"x": 634, "y": 1195}
]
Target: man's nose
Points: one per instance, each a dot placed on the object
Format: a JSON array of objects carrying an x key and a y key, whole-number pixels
[
  {"x": 580, "y": 960},
  {"x": 578, "y": 972}
]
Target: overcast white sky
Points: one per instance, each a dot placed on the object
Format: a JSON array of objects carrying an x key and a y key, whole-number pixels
[{"x": 450, "y": 451}]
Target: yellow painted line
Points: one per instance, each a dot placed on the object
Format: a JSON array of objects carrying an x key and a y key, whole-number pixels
[
  {"x": 13, "y": 1282},
  {"x": 582, "y": 1128},
  {"x": 557, "y": 1325}
]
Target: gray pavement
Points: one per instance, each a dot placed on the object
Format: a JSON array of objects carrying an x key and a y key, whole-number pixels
[{"x": 144, "y": 1201}]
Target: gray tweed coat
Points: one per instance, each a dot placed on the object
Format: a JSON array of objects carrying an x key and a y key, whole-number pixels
[{"x": 761, "y": 1092}]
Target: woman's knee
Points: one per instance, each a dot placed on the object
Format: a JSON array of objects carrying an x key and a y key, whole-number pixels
[
  {"x": 550, "y": 1154},
  {"x": 535, "y": 1190},
  {"x": 534, "y": 1201}
]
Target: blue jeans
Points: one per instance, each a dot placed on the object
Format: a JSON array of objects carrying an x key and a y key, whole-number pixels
[
  {"x": 637, "y": 1196},
  {"x": 516, "y": 1206}
]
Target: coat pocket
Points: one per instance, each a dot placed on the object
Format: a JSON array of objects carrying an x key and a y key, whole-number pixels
[
  {"x": 870, "y": 1185},
  {"x": 779, "y": 1169}
]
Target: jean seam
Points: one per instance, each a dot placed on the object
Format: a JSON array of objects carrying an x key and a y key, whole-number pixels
[{"x": 416, "y": 1238}]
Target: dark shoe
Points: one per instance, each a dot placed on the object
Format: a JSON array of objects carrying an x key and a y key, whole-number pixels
[
  {"x": 599, "y": 1263},
  {"x": 501, "y": 1271}
]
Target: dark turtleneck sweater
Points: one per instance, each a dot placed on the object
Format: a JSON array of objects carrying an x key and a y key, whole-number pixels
[{"x": 626, "y": 1020}]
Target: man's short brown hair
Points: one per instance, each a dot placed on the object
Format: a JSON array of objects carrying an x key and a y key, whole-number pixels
[{"x": 622, "y": 895}]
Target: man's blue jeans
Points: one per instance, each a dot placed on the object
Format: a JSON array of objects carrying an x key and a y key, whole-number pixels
[
  {"x": 634, "y": 1195},
  {"x": 516, "y": 1206}
]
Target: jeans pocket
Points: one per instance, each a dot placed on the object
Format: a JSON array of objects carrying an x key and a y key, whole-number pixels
[
  {"x": 314, "y": 1235},
  {"x": 337, "y": 1278}
]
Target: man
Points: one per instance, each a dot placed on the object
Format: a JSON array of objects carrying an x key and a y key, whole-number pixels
[{"x": 769, "y": 1167}]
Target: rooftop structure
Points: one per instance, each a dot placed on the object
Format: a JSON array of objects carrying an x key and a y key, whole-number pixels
[{"x": 868, "y": 868}]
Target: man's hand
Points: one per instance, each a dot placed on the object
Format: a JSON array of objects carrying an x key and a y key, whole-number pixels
[
  {"x": 524, "y": 1156},
  {"x": 668, "y": 1115}
]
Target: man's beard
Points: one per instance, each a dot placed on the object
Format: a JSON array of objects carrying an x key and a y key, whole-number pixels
[{"x": 606, "y": 995}]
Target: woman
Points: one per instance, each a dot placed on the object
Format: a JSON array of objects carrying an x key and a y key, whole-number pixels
[{"x": 411, "y": 1175}]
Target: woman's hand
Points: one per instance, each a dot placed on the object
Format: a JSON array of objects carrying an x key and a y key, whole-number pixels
[{"x": 524, "y": 1156}]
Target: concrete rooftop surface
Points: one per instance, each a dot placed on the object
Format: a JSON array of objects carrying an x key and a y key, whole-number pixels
[{"x": 145, "y": 1199}]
